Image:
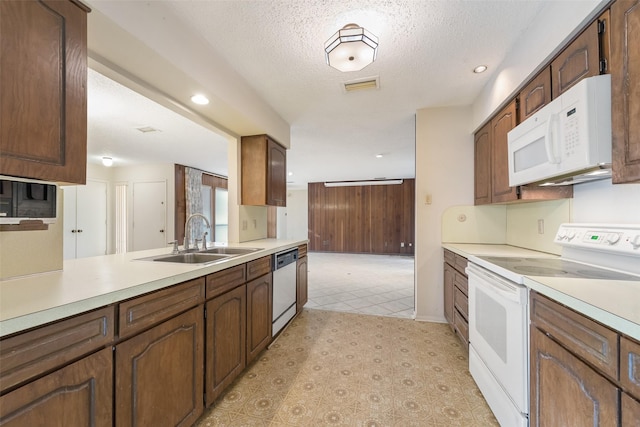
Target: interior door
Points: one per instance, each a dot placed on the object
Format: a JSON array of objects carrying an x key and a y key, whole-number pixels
[
  {"x": 69, "y": 222},
  {"x": 85, "y": 220},
  {"x": 149, "y": 215},
  {"x": 91, "y": 219}
]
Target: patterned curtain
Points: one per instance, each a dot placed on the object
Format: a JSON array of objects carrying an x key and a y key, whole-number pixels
[{"x": 193, "y": 192}]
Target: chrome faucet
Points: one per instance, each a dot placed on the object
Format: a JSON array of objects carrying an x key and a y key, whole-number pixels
[{"x": 186, "y": 231}]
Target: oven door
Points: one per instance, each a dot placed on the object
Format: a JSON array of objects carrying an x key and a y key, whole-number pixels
[{"x": 499, "y": 336}]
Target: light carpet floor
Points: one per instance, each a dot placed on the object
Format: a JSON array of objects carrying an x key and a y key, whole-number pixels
[{"x": 341, "y": 369}]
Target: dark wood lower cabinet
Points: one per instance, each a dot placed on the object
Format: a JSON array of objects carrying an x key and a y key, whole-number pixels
[
  {"x": 79, "y": 394},
  {"x": 226, "y": 324},
  {"x": 567, "y": 392},
  {"x": 159, "y": 374},
  {"x": 630, "y": 412},
  {"x": 449, "y": 273},
  {"x": 259, "y": 307},
  {"x": 302, "y": 295}
]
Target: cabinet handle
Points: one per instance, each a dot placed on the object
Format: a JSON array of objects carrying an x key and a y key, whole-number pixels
[
  {"x": 162, "y": 231},
  {"x": 73, "y": 231},
  {"x": 79, "y": 231}
]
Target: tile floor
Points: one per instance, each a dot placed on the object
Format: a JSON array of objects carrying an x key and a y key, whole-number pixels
[{"x": 359, "y": 283}]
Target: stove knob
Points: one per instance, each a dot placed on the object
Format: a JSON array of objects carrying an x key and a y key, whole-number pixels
[
  {"x": 612, "y": 238},
  {"x": 571, "y": 234},
  {"x": 562, "y": 234},
  {"x": 635, "y": 241}
]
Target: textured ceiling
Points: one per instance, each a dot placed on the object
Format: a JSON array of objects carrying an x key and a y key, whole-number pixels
[{"x": 426, "y": 54}]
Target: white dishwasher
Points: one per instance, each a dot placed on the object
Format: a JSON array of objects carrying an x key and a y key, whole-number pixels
[{"x": 284, "y": 288}]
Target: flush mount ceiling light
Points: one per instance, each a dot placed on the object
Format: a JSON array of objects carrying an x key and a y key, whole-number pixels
[
  {"x": 480, "y": 69},
  {"x": 107, "y": 161},
  {"x": 351, "y": 49},
  {"x": 199, "y": 99}
]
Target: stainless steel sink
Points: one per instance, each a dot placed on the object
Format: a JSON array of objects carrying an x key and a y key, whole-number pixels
[
  {"x": 189, "y": 258},
  {"x": 230, "y": 251},
  {"x": 207, "y": 256}
]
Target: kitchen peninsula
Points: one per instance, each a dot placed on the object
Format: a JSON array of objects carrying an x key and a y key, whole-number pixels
[{"x": 118, "y": 331}]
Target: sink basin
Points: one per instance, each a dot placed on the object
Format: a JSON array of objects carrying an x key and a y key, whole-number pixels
[
  {"x": 189, "y": 258},
  {"x": 230, "y": 251}
]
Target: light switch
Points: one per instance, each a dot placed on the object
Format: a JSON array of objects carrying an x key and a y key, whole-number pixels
[{"x": 427, "y": 200}]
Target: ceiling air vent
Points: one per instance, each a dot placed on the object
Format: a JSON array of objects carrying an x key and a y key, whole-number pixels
[
  {"x": 362, "y": 84},
  {"x": 147, "y": 129}
]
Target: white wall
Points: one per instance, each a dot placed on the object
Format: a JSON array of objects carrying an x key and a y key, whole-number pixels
[
  {"x": 444, "y": 169},
  {"x": 604, "y": 202},
  {"x": 297, "y": 214},
  {"x": 147, "y": 173}
]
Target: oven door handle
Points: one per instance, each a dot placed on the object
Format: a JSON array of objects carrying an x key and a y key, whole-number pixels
[{"x": 496, "y": 285}]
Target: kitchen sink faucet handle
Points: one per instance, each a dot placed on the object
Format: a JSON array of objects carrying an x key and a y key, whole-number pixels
[
  {"x": 175, "y": 246},
  {"x": 204, "y": 240}
]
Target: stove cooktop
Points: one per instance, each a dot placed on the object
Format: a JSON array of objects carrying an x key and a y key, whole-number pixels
[{"x": 556, "y": 267}]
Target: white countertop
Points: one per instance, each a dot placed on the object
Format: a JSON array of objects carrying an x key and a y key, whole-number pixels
[
  {"x": 613, "y": 303},
  {"x": 89, "y": 283}
]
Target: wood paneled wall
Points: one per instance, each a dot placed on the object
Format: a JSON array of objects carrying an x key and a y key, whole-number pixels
[{"x": 362, "y": 219}]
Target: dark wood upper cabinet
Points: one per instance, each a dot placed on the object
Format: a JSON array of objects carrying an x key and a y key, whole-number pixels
[
  {"x": 580, "y": 59},
  {"x": 263, "y": 171},
  {"x": 535, "y": 95},
  {"x": 482, "y": 161},
  {"x": 625, "y": 90},
  {"x": 501, "y": 124},
  {"x": 43, "y": 90}
]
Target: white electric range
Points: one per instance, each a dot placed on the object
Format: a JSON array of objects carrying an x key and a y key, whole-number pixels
[{"x": 499, "y": 312}]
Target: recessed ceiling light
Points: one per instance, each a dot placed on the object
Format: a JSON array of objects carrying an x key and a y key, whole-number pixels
[
  {"x": 290, "y": 173},
  {"x": 480, "y": 69},
  {"x": 199, "y": 99},
  {"x": 379, "y": 156},
  {"x": 107, "y": 161},
  {"x": 147, "y": 129}
]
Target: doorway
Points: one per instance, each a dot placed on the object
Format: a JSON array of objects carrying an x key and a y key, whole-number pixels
[{"x": 85, "y": 220}]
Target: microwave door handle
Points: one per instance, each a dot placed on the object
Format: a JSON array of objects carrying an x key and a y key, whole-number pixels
[{"x": 549, "y": 141}]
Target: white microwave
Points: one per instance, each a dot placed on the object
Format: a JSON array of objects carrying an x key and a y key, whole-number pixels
[{"x": 568, "y": 141}]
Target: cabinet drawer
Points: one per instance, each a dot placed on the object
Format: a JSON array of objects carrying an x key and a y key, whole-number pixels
[
  {"x": 461, "y": 264},
  {"x": 145, "y": 311},
  {"x": 449, "y": 257},
  {"x": 462, "y": 283},
  {"x": 630, "y": 366},
  {"x": 258, "y": 267},
  {"x": 587, "y": 339},
  {"x": 461, "y": 302},
  {"x": 302, "y": 251},
  {"x": 33, "y": 353},
  {"x": 225, "y": 280},
  {"x": 461, "y": 327}
]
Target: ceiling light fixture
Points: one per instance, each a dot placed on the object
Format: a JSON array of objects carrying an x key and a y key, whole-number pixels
[
  {"x": 359, "y": 183},
  {"x": 351, "y": 49},
  {"x": 107, "y": 161},
  {"x": 199, "y": 99},
  {"x": 379, "y": 156},
  {"x": 480, "y": 69}
]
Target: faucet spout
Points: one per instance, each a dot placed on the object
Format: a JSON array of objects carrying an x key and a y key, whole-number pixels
[{"x": 187, "y": 230}]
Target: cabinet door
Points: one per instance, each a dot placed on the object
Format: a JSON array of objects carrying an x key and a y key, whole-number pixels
[
  {"x": 276, "y": 174},
  {"x": 302, "y": 288},
  {"x": 79, "y": 394},
  {"x": 159, "y": 374},
  {"x": 482, "y": 163},
  {"x": 630, "y": 411},
  {"x": 501, "y": 124},
  {"x": 625, "y": 90},
  {"x": 225, "y": 341},
  {"x": 566, "y": 391},
  {"x": 43, "y": 98},
  {"x": 259, "y": 315},
  {"x": 577, "y": 61},
  {"x": 535, "y": 95},
  {"x": 449, "y": 274}
]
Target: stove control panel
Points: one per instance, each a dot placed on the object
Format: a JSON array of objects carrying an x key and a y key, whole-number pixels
[{"x": 612, "y": 238}]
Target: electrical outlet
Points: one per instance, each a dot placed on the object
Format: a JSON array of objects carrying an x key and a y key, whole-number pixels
[
  {"x": 541, "y": 226},
  {"x": 402, "y": 244}
]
